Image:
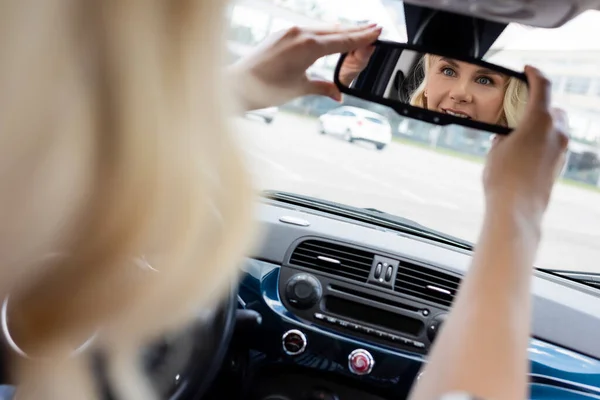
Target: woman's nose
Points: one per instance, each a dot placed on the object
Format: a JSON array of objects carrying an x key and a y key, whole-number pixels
[{"x": 460, "y": 93}]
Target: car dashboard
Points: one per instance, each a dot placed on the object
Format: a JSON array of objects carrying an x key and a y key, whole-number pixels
[{"x": 350, "y": 310}]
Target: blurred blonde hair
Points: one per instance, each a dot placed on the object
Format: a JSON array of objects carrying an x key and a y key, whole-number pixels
[
  {"x": 515, "y": 96},
  {"x": 115, "y": 144}
]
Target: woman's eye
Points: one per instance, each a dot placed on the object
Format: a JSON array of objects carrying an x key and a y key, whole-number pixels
[
  {"x": 484, "y": 81},
  {"x": 448, "y": 71}
]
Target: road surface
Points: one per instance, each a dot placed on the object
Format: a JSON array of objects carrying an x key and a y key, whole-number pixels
[{"x": 436, "y": 190}]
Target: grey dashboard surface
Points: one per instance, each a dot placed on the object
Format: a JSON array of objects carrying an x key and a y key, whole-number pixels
[{"x": 565, "y": 313}]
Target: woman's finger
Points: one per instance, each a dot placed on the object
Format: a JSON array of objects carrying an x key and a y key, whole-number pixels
[
  {"x": 345, "y": 42},
  {"x": 497, "y": 139},
  {"x": 560, "y": 119},
  {"x": 364, "y": 53},
  {"x": 340, "y": 29},
  {"x": 537, "y": 116},
  {"x": 561, "y": 124},
  {"x": 322, "y": 88},
  {"x": 560, "y": 165},
  {"x": 539, "y": 90}
]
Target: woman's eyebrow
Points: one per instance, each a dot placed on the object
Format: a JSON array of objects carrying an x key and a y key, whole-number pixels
[
  {"x": 488, "y": 71},
  {"x": 485, "y": 71},
  {"x": 450, "y": 61}
]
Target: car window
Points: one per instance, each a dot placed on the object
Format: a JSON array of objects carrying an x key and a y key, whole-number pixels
[
  {"x": 420, "y": 171},
  {"x": 375, "y": 120}
]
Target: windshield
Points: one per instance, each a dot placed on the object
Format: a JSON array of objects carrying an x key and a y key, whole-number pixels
[{"x": 411, "y": 169}]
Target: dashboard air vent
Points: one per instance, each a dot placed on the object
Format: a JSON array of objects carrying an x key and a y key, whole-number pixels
[
  {"x": 426, "y": 283},
  {"x": 335, "y": 259}
]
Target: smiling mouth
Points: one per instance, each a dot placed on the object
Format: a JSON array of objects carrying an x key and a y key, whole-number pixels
[{"x": 456, "y": 113}]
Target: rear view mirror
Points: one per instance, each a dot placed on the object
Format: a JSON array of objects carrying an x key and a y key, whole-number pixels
[{"x": 437, "y": 88}]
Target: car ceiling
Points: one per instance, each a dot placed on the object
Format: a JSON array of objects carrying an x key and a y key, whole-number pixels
[{"x": 536, "y": 13}]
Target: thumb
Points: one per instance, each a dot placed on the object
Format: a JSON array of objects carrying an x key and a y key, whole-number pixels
[
  {"x": 323, "y": 88},
  {"x": 539, "y": 89},
  {"x": 365, "y": 53},
  {"x": 560, "y": 119}
]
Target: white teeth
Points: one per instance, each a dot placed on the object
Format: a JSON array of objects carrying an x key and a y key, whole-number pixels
[{"x": 457, "y": 114}]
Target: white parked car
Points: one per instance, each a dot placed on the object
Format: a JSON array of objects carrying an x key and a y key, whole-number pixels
[{"x": 354, "y": 124}]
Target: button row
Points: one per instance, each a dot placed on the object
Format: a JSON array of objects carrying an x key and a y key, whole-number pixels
[
  {"x": 369, "y": 331},
  {"x": 383, "y": 271}
]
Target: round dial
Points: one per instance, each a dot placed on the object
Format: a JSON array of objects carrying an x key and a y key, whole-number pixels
[
  {"x": 303, "y": 291},
  {"x": 434, "y": 326},
  {"x": 360, "y": 362},
  {"x": 294, "y": 342}
]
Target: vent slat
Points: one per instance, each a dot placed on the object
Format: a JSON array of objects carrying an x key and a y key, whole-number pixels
[
  {"x": 434, "y": 299},
  {"x": 413, "y": 280},
  {"x": 342, "y": 250},
  {"x": 429, "y": 277},
  {"x": 354, "y": 264},
  {"x": 418, "y": 269},
  {"x": 424, "y": 281},
  {"x": 313, "y": 259},
  {"x": 329, "y": 270},
  {"x": 345, "y": 258},
  {"x": 423, "y": 288}
]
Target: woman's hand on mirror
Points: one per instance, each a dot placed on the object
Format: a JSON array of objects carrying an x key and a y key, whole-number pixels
[
  {"x": 276, "y": 71},
  {"x": 522, "y": 167},
  {"x": 354, "y": 63}
]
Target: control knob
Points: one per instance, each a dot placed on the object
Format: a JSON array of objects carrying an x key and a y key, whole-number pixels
[
  {"x": 435, "y": 325},
  {"x": 303, "y": 291},
  {"x": 360, "y": 362},
  {"x": 322, "y": 394},
  {"x": 294, "y": 342}
]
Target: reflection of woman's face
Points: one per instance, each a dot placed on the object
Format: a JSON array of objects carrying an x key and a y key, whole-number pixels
[{"x": 465, "y": 90}]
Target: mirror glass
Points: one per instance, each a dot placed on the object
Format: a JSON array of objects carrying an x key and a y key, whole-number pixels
[{"x": 433, "y": 87}]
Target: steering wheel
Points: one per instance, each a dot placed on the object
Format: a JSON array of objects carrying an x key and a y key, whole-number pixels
[
  {"x": 180, "y": 366},
  {"x": 183, "y": 366}
]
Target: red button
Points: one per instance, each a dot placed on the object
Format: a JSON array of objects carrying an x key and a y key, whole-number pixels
[{"x": 360, "y": 362}]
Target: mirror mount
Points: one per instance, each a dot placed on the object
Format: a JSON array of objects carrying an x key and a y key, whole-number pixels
[{"x": 471, "y": 37}]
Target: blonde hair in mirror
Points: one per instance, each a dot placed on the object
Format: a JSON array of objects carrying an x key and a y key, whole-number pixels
[
  {"x": 515, "y": 96},
  {"x": 115, "y": 143}
]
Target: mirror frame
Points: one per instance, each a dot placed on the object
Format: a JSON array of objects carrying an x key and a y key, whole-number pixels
[{"x": 421, "y": 114}]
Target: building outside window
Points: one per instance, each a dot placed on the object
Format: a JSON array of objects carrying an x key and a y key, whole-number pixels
[{"x": 578, "y": 84}]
